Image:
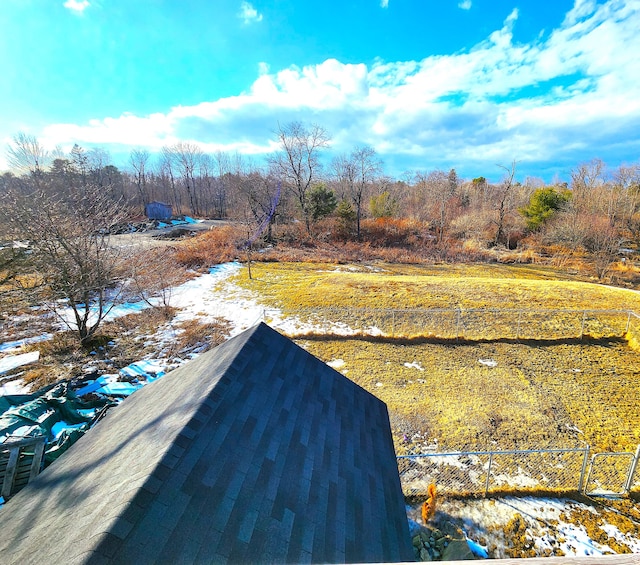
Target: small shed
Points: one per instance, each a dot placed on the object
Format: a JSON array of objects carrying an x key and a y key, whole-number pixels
[
  {"x": 158, "y": 211},
  {"x": 255, "y": 452}
]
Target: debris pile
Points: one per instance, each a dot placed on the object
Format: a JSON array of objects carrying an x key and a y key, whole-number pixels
[{"x": 61, "y": 413}]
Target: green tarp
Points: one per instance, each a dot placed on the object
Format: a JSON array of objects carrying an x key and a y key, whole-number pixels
[{"x": 54, "y": 412}]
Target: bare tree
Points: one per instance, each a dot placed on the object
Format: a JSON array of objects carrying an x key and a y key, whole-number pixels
[
  {"x": 602, "y": 241},
  {"x": 187, "y": 158},
  {"x": 153, "y": 275},
  {"x": 68, "y": 236},
  {"x": 436, "y": 190},
  {"x": 138, "y": 160},
  {"x": 585, "y": 179},
  {"x": 260, "y": 196},
  {"x": 27, "y": 155},
  {"x": 168, "y": 167},
  {"x": 627, "y": 178},
  {"x": 298, "y": 163},
  {"x": 355, "y": 175},
  {"x": 502, "y": 205}
]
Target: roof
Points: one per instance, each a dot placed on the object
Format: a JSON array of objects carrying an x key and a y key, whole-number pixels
[{"x": 256, "y": 451}]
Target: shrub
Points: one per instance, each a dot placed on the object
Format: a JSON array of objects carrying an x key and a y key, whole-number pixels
[{"x": 215, "y": 246}]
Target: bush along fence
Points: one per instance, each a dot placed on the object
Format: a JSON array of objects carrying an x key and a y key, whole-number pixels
[
  {"x": 555, "y": 470},
  {"x": 458, "y": 324}
]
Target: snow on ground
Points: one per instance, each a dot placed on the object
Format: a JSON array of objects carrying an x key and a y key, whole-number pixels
[
  {"x": 545, "y": 525},
  {"x": 11, "y": 362},
  {"x": 196, "y": 299},
  {"x": 11, "y": 346},
  {"x": 13, "y": 387}
]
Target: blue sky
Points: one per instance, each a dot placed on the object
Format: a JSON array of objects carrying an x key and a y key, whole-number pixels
[{"x": 469, "y": 84}]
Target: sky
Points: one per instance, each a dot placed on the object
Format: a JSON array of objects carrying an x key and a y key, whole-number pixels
[{"x": 473, "y": 85}]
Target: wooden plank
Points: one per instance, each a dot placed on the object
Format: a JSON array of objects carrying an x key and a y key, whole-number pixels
[
  {"x": 7, "y": 484},
  {"x": 18, "y": 468},
  {"x": 36, "y": 464}
]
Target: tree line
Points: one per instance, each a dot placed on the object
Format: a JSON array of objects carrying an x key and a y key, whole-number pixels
[
  {"x": 66, "y": 205},
  {"x": 351, "y": 187}
]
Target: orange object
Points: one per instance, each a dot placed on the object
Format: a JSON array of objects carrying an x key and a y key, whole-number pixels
[{"x": 429, "y": 505}]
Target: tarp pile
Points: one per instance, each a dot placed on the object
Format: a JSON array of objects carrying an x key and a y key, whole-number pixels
[
  {"x": 62, "y": 412},
  {"x": 54, "y": 412}
]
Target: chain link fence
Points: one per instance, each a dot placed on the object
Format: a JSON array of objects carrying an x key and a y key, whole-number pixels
[
  {"x": 467, "y": 324},
  {"x": 483, "y": 472}
]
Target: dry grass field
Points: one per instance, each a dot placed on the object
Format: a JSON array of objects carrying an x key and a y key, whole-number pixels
[
  {"x": 308, "y": 285},
  {"x": 475, "y": 394},
  {"x": 498, "y": 396}
]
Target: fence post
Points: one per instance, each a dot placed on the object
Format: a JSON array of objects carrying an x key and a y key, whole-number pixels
[
  {"x": 632, "y": 470},
  {"x": 486, "y": 486},
  {"x": 584, "y": 316},
  {"x": 518, "y": 326},
  {"x": 585, "y": 459},
  {"x": 393, "y": 323},
  {"x": 457, "y": 324}
]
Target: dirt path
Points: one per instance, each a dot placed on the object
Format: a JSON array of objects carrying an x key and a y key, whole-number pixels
[{"x": 159, "y": 237}]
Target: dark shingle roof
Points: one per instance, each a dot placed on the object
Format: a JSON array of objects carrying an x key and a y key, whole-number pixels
[{"x": 254, "y": 452}]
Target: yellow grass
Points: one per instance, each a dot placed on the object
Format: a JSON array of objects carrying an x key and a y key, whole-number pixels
[
  {"x": 307, "y": 285},
  {"x": 537, "y": 395}
]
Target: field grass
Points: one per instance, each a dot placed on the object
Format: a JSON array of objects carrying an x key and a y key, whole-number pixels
[
  {"x": 525, "y": 396},
  {"x": 308, "y": 285},
  {"x": 546, "y": 392}
]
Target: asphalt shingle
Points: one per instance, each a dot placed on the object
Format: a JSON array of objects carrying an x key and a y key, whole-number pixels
[{"x": 254, "y": 452}]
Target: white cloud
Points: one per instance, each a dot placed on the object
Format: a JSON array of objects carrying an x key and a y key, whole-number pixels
[
  {"x": 78, "y": 6},
  {"x": 248, "y": 13},
  {"x": 464, "y": 5},
  {"x": 384, "y": 3},
  {"x": 581, "y": 9},
  {"x": 496, "y": 102}
]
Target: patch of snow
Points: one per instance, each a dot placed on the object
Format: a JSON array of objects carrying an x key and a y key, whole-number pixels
[
  {"x": 414, "y": 527},
  {"x": 336, "y": 363},
  {"x": 14, "y": 387},
  {"x": 12, "y": 362},
  {"x": 520, "y": 479},
  {"x": 10, "y": 346},
  {"x": 454, "y": 460},
  {"x": 488, "y": 362},
  {"x": 542, "y": 513},
  {"x": 198, "y": 299},
  {"x": 485, "y": 520},
  {"x": 414, "y": 365},
  {"x": 613, "y": 532}
]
